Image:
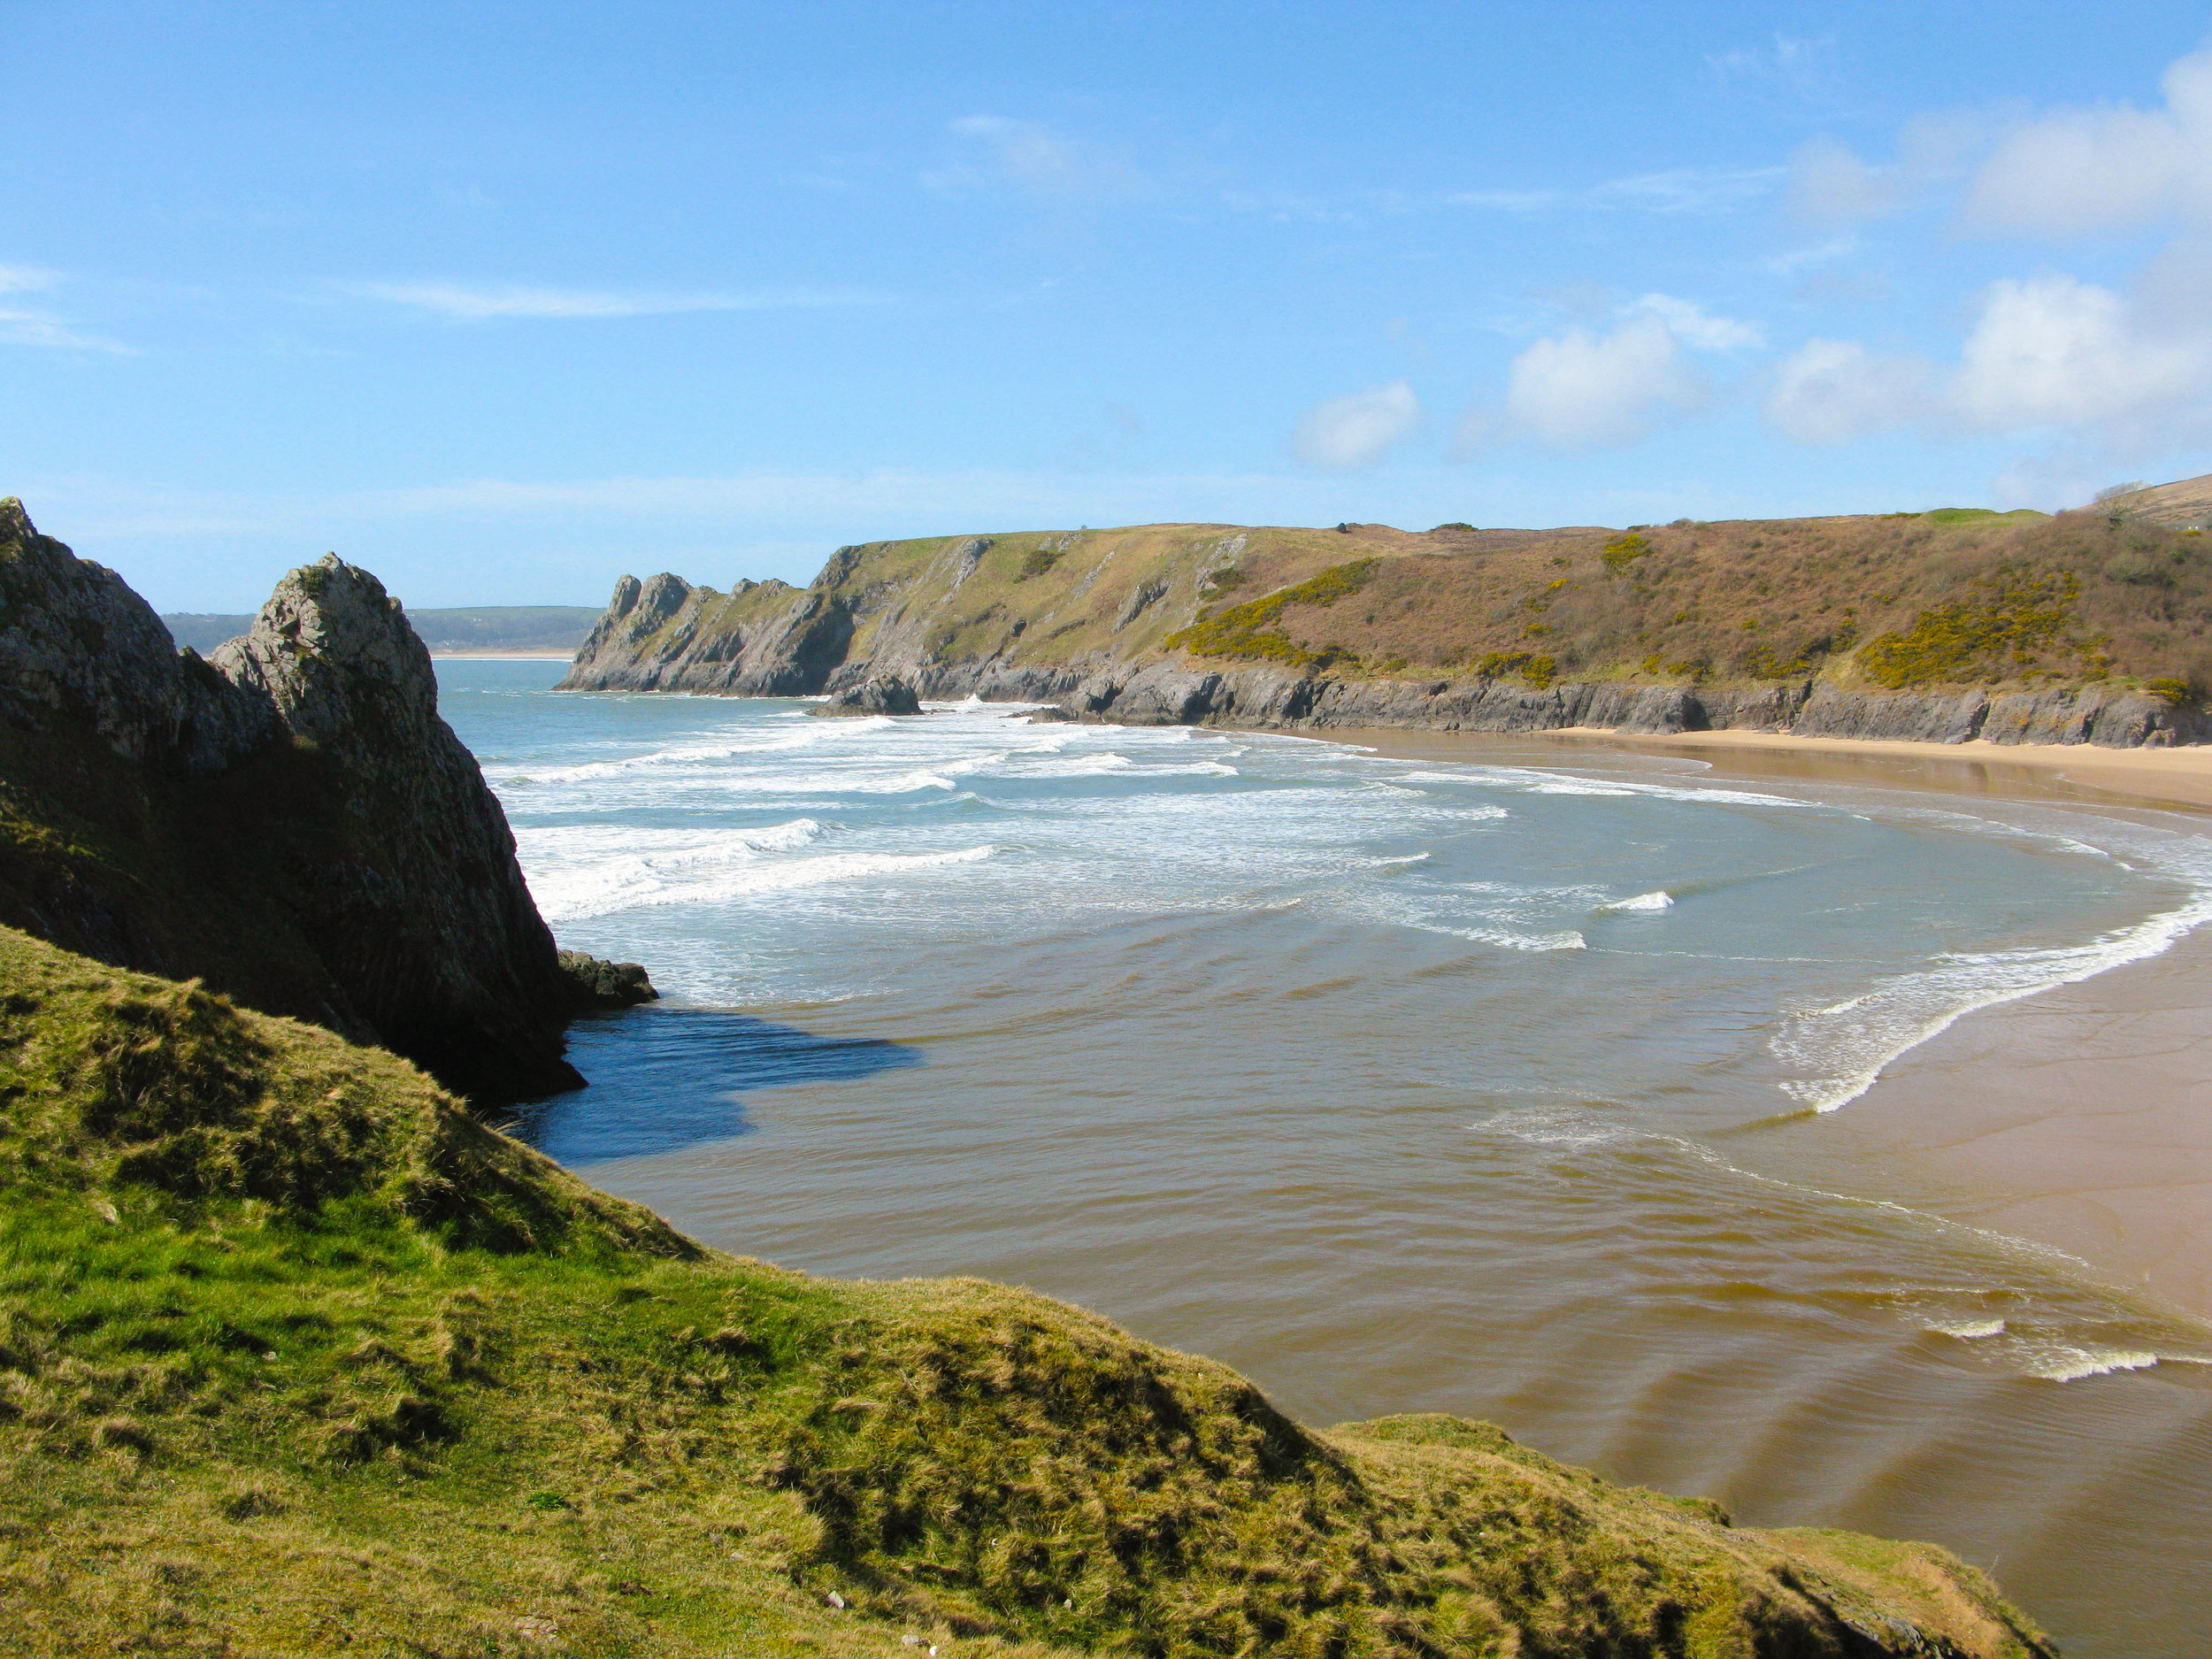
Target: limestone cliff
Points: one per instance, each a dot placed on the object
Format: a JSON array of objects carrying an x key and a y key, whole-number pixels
[
  {"x": 290, "y": 820},
  {"x": 1942, "y": 626}
]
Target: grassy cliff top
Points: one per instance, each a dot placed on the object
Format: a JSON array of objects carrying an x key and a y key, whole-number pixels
[{"x": 296, "y": 1359}]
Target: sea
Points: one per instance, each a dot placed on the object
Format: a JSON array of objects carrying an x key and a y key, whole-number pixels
[{"x": 1514, "y": 1087}]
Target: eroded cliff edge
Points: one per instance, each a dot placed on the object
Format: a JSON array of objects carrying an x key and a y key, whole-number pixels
[
  {"x": 1940, "y": 627},
  {"x": 289, "y": 821}
]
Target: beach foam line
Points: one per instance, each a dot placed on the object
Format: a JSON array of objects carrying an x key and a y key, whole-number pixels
[
  {"x": 1853, "y": 1040},
  {"x": 1529, "y": 780}
]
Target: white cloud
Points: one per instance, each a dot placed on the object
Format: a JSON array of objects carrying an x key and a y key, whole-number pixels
[
  {"x": 1583, "y": 390},
  {"x": 22, "y": 278},
  {"x": 1035, "y": 158},
  {"x": 1355, "y": 431},
  {"x": 2049, "y": 352},
  {"x": 2056, "y": 352},
  {"x": 1831, "y": 391},
  {"x": 2083, "y": 171},
  {"x": 476, "y": 304},
  {"x": 1695, "y": 327}
]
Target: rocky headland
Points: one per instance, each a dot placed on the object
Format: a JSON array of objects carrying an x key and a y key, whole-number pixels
[
  {"x": 287, "y": 820},
  {"x": 1936, "y": 627}
]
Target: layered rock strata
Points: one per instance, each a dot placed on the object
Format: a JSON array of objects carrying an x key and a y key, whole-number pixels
[{"x": 289, "y": 819}]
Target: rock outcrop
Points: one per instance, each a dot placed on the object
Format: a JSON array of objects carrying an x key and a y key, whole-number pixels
[
  {"x": 290, "y": 821},
  {"x": 595, "y": 983},
  {"x": 885, "y": 694}
]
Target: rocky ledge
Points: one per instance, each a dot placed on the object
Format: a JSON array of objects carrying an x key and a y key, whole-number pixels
[{"x": 289, "y": 821}]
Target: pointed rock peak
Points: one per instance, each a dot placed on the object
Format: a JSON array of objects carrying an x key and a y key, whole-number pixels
[
  {"x": 15, "y": 524},
  {"x": 662, "y": 596},
  {"x": 625, "y": 601},
  {"x": 339, "y": 611}
]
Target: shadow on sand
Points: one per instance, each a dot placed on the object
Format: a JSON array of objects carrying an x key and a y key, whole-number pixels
[{"x": 662, "y": 1078}]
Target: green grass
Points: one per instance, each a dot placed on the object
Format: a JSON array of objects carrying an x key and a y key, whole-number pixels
[{"x": 296, "y": 1357}]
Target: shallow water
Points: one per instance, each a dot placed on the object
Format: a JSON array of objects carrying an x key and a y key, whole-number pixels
[{"x": 1512, "y": 1090}]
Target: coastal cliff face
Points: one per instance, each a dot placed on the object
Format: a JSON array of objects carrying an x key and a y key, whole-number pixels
[
  {"x": 289, "y": 820},
  {"x": 1936, "y": 627}
]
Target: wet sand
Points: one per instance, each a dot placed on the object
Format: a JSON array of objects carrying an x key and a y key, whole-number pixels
[{"x": 2080, "y": 1117}]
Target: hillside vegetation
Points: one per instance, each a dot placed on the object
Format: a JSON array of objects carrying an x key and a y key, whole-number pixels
[{"x": 297, "y": 1357}]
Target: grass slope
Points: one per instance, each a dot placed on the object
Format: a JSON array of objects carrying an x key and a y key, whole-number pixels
[{"x": 295, "y": 1357}]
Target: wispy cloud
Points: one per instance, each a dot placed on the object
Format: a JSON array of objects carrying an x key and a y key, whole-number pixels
[
  {"x": 1798, "y": 68},
  {"x": 1697, "y": 327},
  {"x": 1676, "y": 190},
  {"x": 998, "y": 150},
  {"x": 473, "y": 302},
  {"x": 42, "y": 328},
  {"x": 22, "y": 325}
]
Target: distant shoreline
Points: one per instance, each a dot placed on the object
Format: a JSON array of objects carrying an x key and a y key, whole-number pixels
[{"x": 520, "y": 657}]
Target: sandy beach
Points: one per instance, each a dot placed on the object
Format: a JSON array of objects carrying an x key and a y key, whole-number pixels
[
  {"x": 2171, "y": 777},
  {"x": 2079, "y": 1118}
]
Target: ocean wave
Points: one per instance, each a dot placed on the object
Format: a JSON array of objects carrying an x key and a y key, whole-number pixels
[
  {"x": 1968, "y": 1329},
  {"x": 2063, "y": 1363},
  {"x": 1656, "y": 900},
  {"x": 679, "y": 755},
  {"x": 1506, "y": 940},
  {"x": 1077, "y": 766},
  {"x": 1848, "y": 1043},
  {"x": 568, "y": 895}
]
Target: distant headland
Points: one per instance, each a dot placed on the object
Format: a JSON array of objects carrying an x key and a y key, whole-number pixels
[{"x": 1942, "y": 626}]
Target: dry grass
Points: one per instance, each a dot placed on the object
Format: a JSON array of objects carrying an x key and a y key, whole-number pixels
[{"x": 298, "y": 1358}]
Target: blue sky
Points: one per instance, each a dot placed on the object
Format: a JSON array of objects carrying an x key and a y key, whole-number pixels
[{"x": 501, "y": 301}]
